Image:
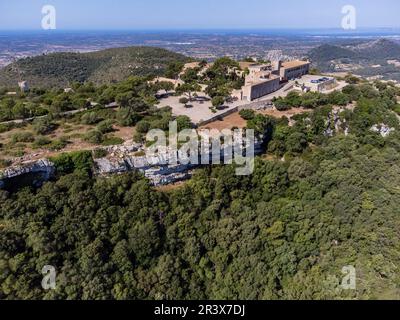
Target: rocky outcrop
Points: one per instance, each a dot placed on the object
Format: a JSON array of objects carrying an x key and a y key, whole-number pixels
[
  {"x": 335, "y": 123},
  {"x": 120, "y": 159},
  {"x": 158, "y": 169},
  {"x": 382, "y": 129},
  {"x": 158, "y": 174},
  {"x": 41, "y": 170}
]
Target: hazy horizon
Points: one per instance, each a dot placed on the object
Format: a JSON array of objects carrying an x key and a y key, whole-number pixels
[
  {"x": 138, "y": 15},
  {"x": 326, "y": 30}
]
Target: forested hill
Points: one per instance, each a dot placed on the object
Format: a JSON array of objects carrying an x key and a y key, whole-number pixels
[
  {"x": 60, "y": 69},
  {"x": 284, "y": 232},
  {"x": 372, "y": 52}
]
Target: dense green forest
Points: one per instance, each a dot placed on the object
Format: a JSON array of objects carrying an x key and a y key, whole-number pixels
[
  {"x": 101, "y": 67},
  {"x": 284, "y": 232}
]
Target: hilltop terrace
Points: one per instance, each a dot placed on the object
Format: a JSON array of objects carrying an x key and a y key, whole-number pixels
[{"x": 262, "y": 82}]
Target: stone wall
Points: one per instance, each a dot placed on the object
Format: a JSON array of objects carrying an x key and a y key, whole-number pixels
[
  {"x": 262, "y": 89},
  {"x": 218, "y": 117}
]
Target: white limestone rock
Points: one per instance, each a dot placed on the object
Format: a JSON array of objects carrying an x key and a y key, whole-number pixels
[{"x": 382, "y": 129}]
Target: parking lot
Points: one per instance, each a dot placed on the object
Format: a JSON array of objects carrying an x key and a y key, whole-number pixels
[
  {"x": 198, "y": 112},
  {"x": 319, "y": 83}
]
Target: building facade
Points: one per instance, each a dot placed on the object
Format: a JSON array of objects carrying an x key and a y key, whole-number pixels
[
  {"x": 258, "y": 83},
  {"x": 255, "y": 90},
  {"x": 292, "y": 70}
]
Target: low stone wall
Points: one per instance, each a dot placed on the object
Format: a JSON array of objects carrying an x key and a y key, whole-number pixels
[
  {"x": 256, "y": 105},
  {"x": 219, "y": 116},
  {"x": 251, "y": 105}
]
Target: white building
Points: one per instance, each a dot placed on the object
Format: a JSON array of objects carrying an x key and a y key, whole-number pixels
[
  {"x": 292, "y": 70},
  {"x": 258, "y": 83}
]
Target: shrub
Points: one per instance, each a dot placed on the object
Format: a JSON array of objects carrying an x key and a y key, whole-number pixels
[
  {"x": 112, "y": 140},
  {"x": 99, "y": 153},
  {"x": 105, "y": 126},
  {"x": 16, "y": 153},
  {"x": 217, "y": 101},
  {"x": 163, "y": 123},
  {"x": 75, "y": 161},
  {"x": 58, "y": 144},
  {"x": 137, "y": 137},
  {"x": 296, "y": 142},
  {"x": 82, "y": 160},
  {"x": 43, "y": 126},
  {"x": 4, "y": 163},
  {"x": 22, "y": 137},
  {"x": 396, "y": 109},
  {"x": 352, "y": 79},
  {"x": 5, "y": 128},
  {"x": 140, "y": 153},
  {"x": 183, "y": 100},
  {"x": 143, "y": 126},
  {"x": 41, "y": 141},
  {"x": 63, "y": 163},
  {"x": 90, "y": 118},
  {"x": 247, "y": 114},
  {"x": 127, "y": 118},
  {"x": 94, "y": 136},
  {"x": 183, "y": 122}
]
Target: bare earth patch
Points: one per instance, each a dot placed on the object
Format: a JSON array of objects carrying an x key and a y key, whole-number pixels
[
  {"x": 125, "y": 133},
  {"x": 235, "y": 120},
  {"x": 231, "y": 121}
]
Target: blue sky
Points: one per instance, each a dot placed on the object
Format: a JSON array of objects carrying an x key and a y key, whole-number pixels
[{"x": 196, "y": 14}]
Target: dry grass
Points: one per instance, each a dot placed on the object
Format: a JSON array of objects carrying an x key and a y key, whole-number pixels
[
  {"x": 125, "y": 133},
  {"x": 171, "y": 187},
  {"x": 74, "y": 133},
  {"x": 287, "y": 113},
  {"x": 231, "y": 121},
  {"x": 235, "y": 120}
]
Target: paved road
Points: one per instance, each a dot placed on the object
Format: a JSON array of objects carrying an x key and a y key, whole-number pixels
[
  {"x": 41, "y": 117},
  {"x": 66, "y": 113}
]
